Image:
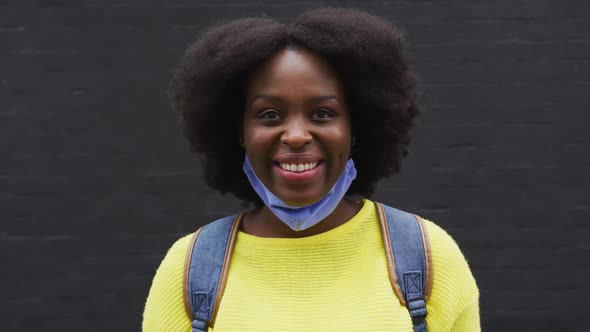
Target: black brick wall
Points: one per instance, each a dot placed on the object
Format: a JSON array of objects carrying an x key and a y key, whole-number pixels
[{"x": 96, "y": 180}]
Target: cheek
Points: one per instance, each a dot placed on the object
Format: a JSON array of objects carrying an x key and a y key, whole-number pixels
[
  {"x": 257, "y": 138},
  {"x": 258, "y": 144},
  {"x": 249, "y": 132},
  {"x": 339, "y": 138}
]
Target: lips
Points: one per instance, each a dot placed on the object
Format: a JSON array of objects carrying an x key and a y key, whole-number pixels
[
  {"x": 298, "y": 177},
  {"x": 297, "y": 163},
  {"x": 298, "y": 167}
]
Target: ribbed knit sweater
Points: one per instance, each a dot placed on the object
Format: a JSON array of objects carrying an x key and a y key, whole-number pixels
[{"x": 333, "y": 281}]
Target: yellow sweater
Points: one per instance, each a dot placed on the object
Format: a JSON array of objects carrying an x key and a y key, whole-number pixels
[{"x": 334, "y": 281}]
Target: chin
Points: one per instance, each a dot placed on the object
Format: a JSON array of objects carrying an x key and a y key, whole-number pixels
[
  {"x": 301, "y": 200},
  {"x": 299, "y": 203}
]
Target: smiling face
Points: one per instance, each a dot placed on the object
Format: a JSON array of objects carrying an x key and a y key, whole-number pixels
[{"x": 296, "y": 126}]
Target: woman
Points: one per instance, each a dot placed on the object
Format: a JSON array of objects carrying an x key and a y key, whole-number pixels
[{"x": 291, "y": 118}]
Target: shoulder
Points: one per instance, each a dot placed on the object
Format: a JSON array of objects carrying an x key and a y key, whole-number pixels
[
  {"x": 454, "y": 289},
  {"x": 172, "y": 266},
  {"x": 174, "y": 259},
  {"x": 165, "y": 304},
  {"x": 449, "y": 263},
  {"x": 450, "y": 270},
  {"x": 442, "y": 243}
]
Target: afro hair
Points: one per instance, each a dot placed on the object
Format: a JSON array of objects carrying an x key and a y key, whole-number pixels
[{"x": 367, "y": 52}]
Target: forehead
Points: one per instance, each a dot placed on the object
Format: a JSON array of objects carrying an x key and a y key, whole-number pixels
[{"x": 295, "y": 71}]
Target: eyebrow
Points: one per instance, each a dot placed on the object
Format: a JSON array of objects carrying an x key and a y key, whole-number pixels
[{"x": 277, "y": 98}]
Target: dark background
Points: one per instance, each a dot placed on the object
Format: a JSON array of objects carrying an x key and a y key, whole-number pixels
[{"x": 96, "y": 180}]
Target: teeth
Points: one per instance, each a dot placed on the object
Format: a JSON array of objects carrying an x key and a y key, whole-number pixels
[{"x": 299, "y": 167}]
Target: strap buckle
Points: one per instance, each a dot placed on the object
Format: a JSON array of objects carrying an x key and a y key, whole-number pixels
[
  {"x": 199, "y": 325},
  {"x": 417, "y": 308}
]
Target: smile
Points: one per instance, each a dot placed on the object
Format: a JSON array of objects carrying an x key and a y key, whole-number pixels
[{"x": 297, "y": 168}]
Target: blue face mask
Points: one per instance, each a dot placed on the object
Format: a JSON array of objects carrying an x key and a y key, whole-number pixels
[{"x": 299, "y": 218}]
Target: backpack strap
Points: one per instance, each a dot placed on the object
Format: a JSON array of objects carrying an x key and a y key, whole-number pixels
[
  {"x": 205, "y": 270},
  {"x": 409, "y": 260}
]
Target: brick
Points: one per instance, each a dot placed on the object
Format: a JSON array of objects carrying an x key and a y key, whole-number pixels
[
  {"x": 96, "y": 38},
  {"x": 501, "y": 94},
  {"x": 512, "y": 280},
  {"x": 87, "y": 80},
  {"x": 472, "y": 52},
  {"x": 452, "y": 115},
  {"x": 519, "y": 238},
  {"x": 489, "y": 29},
  {"x": 14, "y": 39},
  {"x": 49, "y": 61},
  {"x": 519, "y": 10},
  {"x": 485, "y": 135},
  {"x": 17, "y": 16},
  {"x": 125, "y": 15},
  {"x": 548, "y": 320},
  {"x": 70, "y": 16},
  {"x": 504, "y": 71},
  {"x": 528, "y": 165}
]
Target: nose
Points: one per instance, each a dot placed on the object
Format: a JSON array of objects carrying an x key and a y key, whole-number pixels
[{"x": 296, "y": 133}]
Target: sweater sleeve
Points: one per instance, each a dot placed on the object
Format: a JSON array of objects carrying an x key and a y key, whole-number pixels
[
  {"x": 454, "y": 301},
  {"x": 468, "y": 319},
  {"x": 164, "y": 308}
]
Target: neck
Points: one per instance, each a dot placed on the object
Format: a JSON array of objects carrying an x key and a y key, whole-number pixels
[{"x": 262, "y": 222}]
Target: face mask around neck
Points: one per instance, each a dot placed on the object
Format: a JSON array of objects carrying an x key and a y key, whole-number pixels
[{"x": 299, "y": 218}]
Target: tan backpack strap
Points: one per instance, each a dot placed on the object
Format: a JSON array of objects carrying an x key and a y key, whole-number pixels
[
  {"x": 187, "y": 263},
  {"x": 428, "y": 253},
  {"x": 224, "y": 269},
  {"x": 386, "y": 227},
  {"x": 389, "y": 254},
  {"x": 226, "y": 260}
]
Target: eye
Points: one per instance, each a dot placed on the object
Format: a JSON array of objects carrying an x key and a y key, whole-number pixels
[
  {"x": 269, "y": 114},
  {"x": 322, "y": 114}
]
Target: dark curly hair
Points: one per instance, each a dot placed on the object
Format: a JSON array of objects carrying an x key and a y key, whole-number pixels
[{"x": 208, "y": 89}]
